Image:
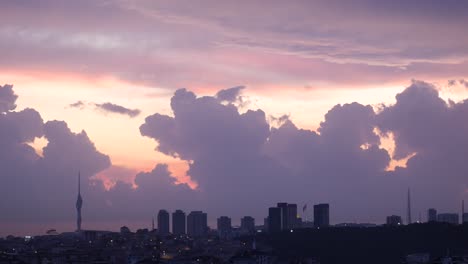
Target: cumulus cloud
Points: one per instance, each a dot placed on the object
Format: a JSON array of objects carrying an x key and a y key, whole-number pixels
[
  {"x": 237, "y": 155},
  {"x": 118, "y": 109},
  {"x": 241, "y": 155},
  {"x": 41, "y": 189},
  {"x": 7, "y": 98},
  {"x": 423, "y": 123},
  {"x": 244, "y": 163},
  {"x": 230, "y": 95}
]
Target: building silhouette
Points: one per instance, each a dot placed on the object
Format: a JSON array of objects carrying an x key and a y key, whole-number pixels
[
  {"x": 292, "y": 216},
  {"x": 163, "y": 223},
  {"x": 274, "y": 219},
  {"x": 394, "y": 220},
  {"x": 450, "y": 218},
  {"x": 178, "y": 222},
  {"x": 284, "y": 215},
  {"x": 432, "y": 215},
  {"x": 248, "y": 224},
  {"x": 288, "y": 215},
  {"x": 79, "y": 204},
  {"x": 197, "y": 224},
  {"x": 321, "y": 215},
  {"x": 224, "y": 227}
]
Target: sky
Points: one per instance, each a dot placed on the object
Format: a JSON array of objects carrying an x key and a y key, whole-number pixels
[{"x": 230, "y": 107}]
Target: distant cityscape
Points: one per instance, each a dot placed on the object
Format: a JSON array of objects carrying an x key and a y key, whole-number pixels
[
  {"x": 282, "y": 217},
  {"x": 283, "y": 237}
]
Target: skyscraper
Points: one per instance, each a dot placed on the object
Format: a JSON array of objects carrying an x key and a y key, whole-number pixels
[
  {"x": 284, "y": 215},
  {"x": 163, "y": 223},
  {"x": 432, "y": 215},
  {"x": 248, "y": 224},
  {"x": 197, "y": 224},
  {"x": 274, "y": 219},
  {"x": 79, "y": 204},
  {"x": 321, "y": 215},
  {"x": 178, "y": 222},
  {"x": 288, "y": 215},
  {"x": 224, "y": 226},
  {"x": 292, "y": 216},
  {"x": 408, "y": 216}
]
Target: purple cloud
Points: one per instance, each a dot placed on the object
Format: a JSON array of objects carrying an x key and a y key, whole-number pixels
[
  {"x": 423, "y": 123},
  {"x": 118, "y": 109},
  {"x": 291, "y": 49},
  {"x": 7, "y": 98},
  {"x": 240, "y": 159},
  {"x": 230, "y": 95},
  {"x": 78, "y": 104}
]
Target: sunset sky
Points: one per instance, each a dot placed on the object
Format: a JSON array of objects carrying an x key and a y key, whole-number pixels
[{"x": 295, "y": 101}]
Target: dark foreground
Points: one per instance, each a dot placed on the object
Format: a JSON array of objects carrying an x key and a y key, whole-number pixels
[
  {"x": 334, "y": 245},
  {"x": 376, "y": 245}
]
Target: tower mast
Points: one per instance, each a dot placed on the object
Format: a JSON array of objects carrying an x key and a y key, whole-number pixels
[{"x": 79, "y": 204}]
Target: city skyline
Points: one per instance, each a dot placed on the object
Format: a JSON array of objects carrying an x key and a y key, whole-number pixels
[
  {"x": 229, "y": 108},
  {"x": 283, "y": 217}
]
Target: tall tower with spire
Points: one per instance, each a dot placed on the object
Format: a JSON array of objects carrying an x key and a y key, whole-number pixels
[
  {"x": 79, "y": 204},
  {"x": 409, "y": 207}
]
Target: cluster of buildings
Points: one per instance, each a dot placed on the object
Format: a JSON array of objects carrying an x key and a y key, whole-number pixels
[
  {"x": 195, "y": 224},
  {"x": 433, "y": 216},
  {"x": 284, "y": 217},
  {"x": 179, "y": 238}
]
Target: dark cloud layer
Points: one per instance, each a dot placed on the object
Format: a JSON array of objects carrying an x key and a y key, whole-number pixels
[{"x": 368, "y": 42}]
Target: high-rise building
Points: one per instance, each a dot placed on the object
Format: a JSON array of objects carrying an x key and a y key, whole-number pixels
[
  {"x": 224, "y": 227},
  {"x": 274, "y": 219},
  {"x": 394, "y": 220},
  {"x": 163, "y": 223},
  {"x": 178, "y": 222},
  {"x": 248, "y": 224},
  {"x": 292, "y": 216},
  {"x": 448, "y": 218},
  {"x": 284, "y": 215},
  {"x": 79, "y": 204},
  {"x": 197, "y": 224},
  {"x": 266, "y": 221},
  {"x": 408, "y": 209},
  {"x": 432, "y": 215},
  {"x": 321, "y": 215}
]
